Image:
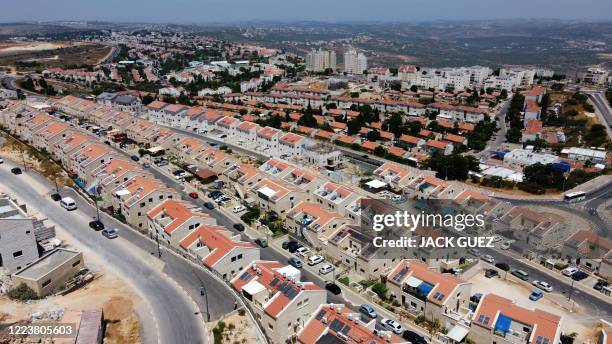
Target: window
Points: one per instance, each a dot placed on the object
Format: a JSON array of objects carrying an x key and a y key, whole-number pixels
[
  {"x": 27, "y": 232},
  {"x": 161, "y": 196},
  {"x": 46, "y": 283},
  {"x": 270, "y": 327},
  {"x": 17, "y": 254},
  {"x": 76, "y": 263},
  {"x": 240, "y": 256},
  {"x": 142, "y": 205}
]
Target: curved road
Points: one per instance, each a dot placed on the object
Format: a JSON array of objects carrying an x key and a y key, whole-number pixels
[{"x": 177, "y": 319}]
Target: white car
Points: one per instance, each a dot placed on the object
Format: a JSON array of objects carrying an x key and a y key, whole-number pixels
[
  {"x": 238, "y": 208},
  {"x": 325, "y": 269},
  {"x": 543, "y": 285},
  {"x": 302, "y": 251},
  {"x": 1, "y": 161},
  {"x": 570, "y": 270},
  {"x": 392, "y": 325},
  {"x": 497, "y": 238},
  {"x": 314, "y": 260},
  {"x": 488, "y": 258}
]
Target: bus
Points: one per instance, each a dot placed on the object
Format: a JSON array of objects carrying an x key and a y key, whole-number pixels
[{"x": 577, "y": 196}]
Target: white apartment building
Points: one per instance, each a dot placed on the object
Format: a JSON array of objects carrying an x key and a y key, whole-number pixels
[
  {"x": 355, "y": 63},
  {"x": 17, "y": 240},
  {"x": 595, "y": 76},
  {"x": 320, "y": 60}
]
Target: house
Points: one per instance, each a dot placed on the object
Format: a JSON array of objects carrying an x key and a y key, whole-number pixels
[
  {"x": 155, "y": 111},
  {"x": 304, "y": 180},
  {"x": 422, "y": 291},
  {"x": 334, "y": 197},
  {"x": 267, "y": 140},
  {"x": 409, "y": 141},
  {"x": 532, "y": 130},
  {"x": 242, "y": 177},
  {"x": 173, "y": 220},
  {"x": 427, "y": 186},
  {"x": 291, "y": 146},
  {"x": 134, "y": 198},
  {"x": 281, "y": 302},
  {"x": 310, "y": 216},
  {"x": 500, "y": 320},
  {"x": 219, "y": 249},
  {"x": 322, "y": 155},
  {"x": 276, "y": 196},
  {"x": 90, "y": 157},
  {"x": 18, "y": 245},
  {"x": 336, "y": 323},
  {"x": 276, "y": 168},
  {"x": 535, "y": 94},
  {"x": 456, "y": 139},
  {"x": 532, "y": 111},
  {"x": 396, "y": 175},
  {"x": 227, "y": 125},
  {"x": 115, "y": 170},
  {"x": 435, "y": 146},
  {"x": 246, "y": 133},
  {"x": 215, "y": 159},
  {"x": 587, "y": 249},
  {"x": 188, "y": 148},
  {"x": 172, "y": 114}
]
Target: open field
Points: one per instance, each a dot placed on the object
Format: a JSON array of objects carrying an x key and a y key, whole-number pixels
[{"x": 41, "y": 55}]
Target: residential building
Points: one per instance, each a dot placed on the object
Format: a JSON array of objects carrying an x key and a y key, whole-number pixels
[
  {"x": 355, "y": 63},
  {"x": 320, "y": 60},
  {"x": 280, "y": 301},
  {"x": 18, "y": 247},
  {"x": 276, "y": 196},
  {"x": 500, "y": 320}
]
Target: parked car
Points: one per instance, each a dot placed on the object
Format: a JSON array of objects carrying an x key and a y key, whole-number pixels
[
  {"x": 413, "y": 337},
  {"x": 391, "y": 325},
  {"x": 135, "y": 158},
  {"x": 146, "y": 165},
  {"x": 333, "y": 288},
  {"x": 491, "y": 273},
  {"x": 262, "y": 242},
  {"x": 520, "y": 274},
  {"x": 286, "y": 243},
  {"x": 368, "y": 310},
  {"x": 194, "y": 195},
  {"x": 238, "y": 209},
  {"x": 293, "y": 248},
  {"x": 110, "y": 233},
  {"x": 56, "y": 197},
  {"x": 579, "y": 275},
  {"x": 239, "y": 227},
  {"x": 325, "y": 269},
  {"x": 543, "y": 285},
  {"x": 569, "y": 271},
  {"x": 488, "y": 258},
  {"x": 96, "y": 225},
  {"x": 68, "y": 203},
  {"x": 209, "y": 205},
  {"x": 506, "y": 244},
  {"x": 314, "y": 260},
  {"x": 601, "y": 283},
  {"x": 302, "y": 251},
  {"x": 296, "y": 263},
  {"x": 1, "y": 161},
  {"x": 536, "y": 295},
  {"x": 16, "y": 170},
  {"x": 502, "y": 266}
]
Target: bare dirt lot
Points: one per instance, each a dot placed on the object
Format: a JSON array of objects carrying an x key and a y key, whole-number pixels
[{"x": 40, "y": 55}]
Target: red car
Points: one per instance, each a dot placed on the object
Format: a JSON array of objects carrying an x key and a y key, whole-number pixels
[{"x": 193, "y": 195}]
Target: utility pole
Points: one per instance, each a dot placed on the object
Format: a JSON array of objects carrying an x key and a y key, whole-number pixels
[
  {"x": 157, "y": 240},
  {"x": 204, "y": 293}
]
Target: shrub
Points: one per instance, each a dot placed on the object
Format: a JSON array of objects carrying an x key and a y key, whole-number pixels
[
  {"x": 344, "y": 280},
  {"x": 419, "y": 319},
  {"x": 241, "y": 312},
  {"x": 22, "y": 293},
  {"x": 381, "y": 290}
]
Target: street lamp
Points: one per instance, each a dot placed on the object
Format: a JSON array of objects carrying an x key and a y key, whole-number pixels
[
  {"x": 157, "y": 241},
  {"x": 204, "y": 293}
]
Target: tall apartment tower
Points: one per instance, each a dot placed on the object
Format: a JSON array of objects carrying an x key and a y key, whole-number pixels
[
  {"x": 355, "y": 63},
  {"x": 320, "y": 60}
]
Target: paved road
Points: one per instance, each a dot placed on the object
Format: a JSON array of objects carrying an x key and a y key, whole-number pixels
[
  {"x": 176, "y": 316},
  {"x": 603, "y": 109}
]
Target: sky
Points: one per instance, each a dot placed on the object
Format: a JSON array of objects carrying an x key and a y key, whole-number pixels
[{"x": 228, "y": 11}]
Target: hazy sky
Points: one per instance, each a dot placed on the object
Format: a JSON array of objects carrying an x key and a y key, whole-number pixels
[{"x": 219, "y": 11}]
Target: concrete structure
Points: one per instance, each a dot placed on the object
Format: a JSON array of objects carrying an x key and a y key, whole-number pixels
[
  {"x": 50, "y": 272},
  {"x": 18, "y": 246},
  {"x": 355, "y": 63}
]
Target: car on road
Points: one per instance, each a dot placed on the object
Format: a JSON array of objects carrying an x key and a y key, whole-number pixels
[
  {"x": 68, "y": 203},
  {"x": 506, "y": 244},
  {"x": 16, "y": 170},
  {"x": 1, "y": 161},
  {"x": 262, "y": 242},
  {"x": 520, "y": 274},
  {"x": 413, "y": 337},
  {"x": 238, "y": 209},
  {"x": 194, "y": 195},
  {"x": 296, "y": 263},
  {"x": 146, "y": 165},
  {"x": 325, "y": 269},
  {"x": 239, "y": 227},
  {"x": 579, "y": 275},
  {"x": 209, "y": 205},
  {"x": 110, "y": 233},
  {"x": 368, "y": 310},
  {"x": 391, "y": 325},
  {"x": 222, "y": 136},
  {"x": 302, "y": 251},
  {"x": 333, "y": 288},
  {"x": 569, "y": 271},
  {"x": 491, "y": 273},
  {"x": 474, "y": 252},
  {"x": 488, "y": 258},
  {"x": 536, "y": 295},
  {"x": 56, "y": 197},
  {"x": 135, "y": 158},
  {"x": 502, "y": 266},
  {"x": 96, "y": 225},
  {"x": 314, "y": 260},
  {"x": 543, "y": 285}
]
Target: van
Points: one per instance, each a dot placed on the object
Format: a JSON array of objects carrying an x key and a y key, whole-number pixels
[
  {"x": 68, "y": 203},
  {"x": 520, "y": 274}
]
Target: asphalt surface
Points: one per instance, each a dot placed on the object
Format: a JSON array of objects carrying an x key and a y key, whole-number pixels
[
  {"x": 601, "y": 103},
  {"x": 176, "y": 317}
]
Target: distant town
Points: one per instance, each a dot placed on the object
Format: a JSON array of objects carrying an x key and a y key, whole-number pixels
[{"x": 174, "y": 187}]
